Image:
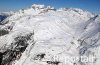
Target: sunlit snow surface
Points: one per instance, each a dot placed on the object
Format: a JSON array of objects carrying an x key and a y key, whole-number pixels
[{"x": 57, "y": 33}]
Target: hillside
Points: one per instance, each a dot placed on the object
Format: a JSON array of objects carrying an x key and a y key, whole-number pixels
[{"x": 43, "y": 35}]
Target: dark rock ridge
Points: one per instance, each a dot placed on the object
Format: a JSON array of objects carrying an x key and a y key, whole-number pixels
[{"x": 15, "y": 51}]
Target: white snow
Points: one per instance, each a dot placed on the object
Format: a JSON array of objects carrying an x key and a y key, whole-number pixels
[{"x": 56, "y": 33}]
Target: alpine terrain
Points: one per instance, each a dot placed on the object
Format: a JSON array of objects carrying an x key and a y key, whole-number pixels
[{"x": 43, "y": 35}]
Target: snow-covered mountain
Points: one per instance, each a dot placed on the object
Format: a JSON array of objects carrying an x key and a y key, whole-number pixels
[
  {"x": 3, "y": 16},
  {"x": 44, "y": 35}
]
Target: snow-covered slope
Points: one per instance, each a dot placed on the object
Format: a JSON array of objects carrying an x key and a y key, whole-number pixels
[
  {"x": 46, "y": 36},
  {"x": 4, "y": 16}
]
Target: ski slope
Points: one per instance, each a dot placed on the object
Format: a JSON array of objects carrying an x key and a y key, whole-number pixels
[{"x": 44, "y": 35}]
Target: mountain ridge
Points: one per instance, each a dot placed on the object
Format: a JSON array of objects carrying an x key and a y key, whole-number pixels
[{"x": 36, "y": 36}]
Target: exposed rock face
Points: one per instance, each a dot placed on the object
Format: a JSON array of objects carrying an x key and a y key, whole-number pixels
[
  {"x": 15, "y": 50},
  {"x": 47, "y": 36}
]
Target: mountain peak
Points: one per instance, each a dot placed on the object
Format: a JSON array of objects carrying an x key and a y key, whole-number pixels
[
  {"x": 34, "y": 6},
  {"x": 38, "y": 35}
]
